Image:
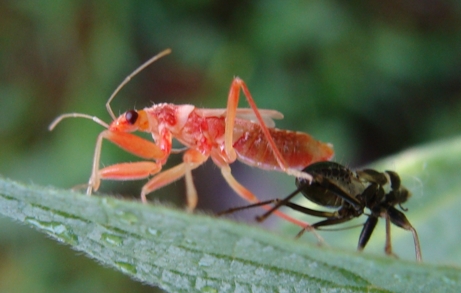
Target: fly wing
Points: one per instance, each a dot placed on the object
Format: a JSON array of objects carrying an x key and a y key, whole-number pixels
[{"x": 244, "y": 113}]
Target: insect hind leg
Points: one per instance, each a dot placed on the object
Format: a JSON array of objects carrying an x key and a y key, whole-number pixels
[
  {"x": 250, "y": 197},
  {"x": 232, "y": 105}
]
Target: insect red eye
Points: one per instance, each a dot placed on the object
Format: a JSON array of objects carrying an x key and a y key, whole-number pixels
[{"x": 131, "y": 116}]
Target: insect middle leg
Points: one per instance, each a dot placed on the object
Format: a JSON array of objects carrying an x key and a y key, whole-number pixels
[{"x": 191, "y": 160}]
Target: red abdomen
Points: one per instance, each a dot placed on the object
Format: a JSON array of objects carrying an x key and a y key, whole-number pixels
[{"x": 298, "y": 149}]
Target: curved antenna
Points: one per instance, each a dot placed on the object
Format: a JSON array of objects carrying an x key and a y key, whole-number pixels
[
  {"x": 129, "y": 77},
  {"x": 76, "y": 115}
]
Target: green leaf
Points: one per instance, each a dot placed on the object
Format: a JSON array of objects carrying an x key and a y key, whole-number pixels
[
  {"x": 432, "y": 173},
  {"x": 183, "y": 252}
]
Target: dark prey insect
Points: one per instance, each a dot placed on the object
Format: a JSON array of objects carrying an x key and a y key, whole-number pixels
[{"x": 350, "y": 193}]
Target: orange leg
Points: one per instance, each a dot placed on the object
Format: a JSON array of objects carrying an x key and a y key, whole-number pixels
[
  {"x": 191, "y": 160},
  {"x": 126, "y": 171},
  {"x": 232, "y": 104},
  {"x": 250, "y": 197},
  {"x": 129, "y": 171}
]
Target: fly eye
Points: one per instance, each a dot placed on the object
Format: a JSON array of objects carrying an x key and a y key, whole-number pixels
[{"x": 131, "y": 116}]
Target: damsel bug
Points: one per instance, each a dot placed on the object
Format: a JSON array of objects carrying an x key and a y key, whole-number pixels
[
  {"x": 222, "y": 134},
  {"x": 349, "y": 192}
]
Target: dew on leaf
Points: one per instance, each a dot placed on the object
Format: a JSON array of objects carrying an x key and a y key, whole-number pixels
[
  {"x": 208, "y": 289},
  {"x": 112, "y": 239},
  {"x": 127, "y": 217},
  {"x": 57, "y": 229},
  {"x": 126, "y": 267}
]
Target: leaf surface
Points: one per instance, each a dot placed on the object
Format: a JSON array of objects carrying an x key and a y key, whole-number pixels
[{"x": 183, "y": 252}]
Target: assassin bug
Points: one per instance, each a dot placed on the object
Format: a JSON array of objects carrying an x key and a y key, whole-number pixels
[
  {"x": 222, "y": 134},
  {"x": 349, "y": 192}
]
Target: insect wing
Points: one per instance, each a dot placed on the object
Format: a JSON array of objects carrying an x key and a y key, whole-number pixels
[
  {"x": 241, "y": 112},
  {"x": 268, "y": 115}
]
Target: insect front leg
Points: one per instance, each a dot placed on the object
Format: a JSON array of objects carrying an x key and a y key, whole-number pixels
[
  {"x": 191, "y": 160},
  {"x": 367, "y": 230},
  {"x": 398, "y": 218},
  {"x": 125, "y": 171},
  {"x": 129, "y": 171},
  {"x": 232, "y": 104}
]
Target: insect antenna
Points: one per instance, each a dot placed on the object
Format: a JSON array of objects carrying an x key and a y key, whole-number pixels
[
  {"x": 129, "y": 77},
  {"x": 76, "y": 115},
  {"x": 109, "y": 109}
]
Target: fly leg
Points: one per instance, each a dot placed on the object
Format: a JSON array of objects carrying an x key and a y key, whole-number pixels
[
  {"x": 367, "y": 230},
  {"x": 388, "y": 243},
  {"x": 398, "y": 218}
]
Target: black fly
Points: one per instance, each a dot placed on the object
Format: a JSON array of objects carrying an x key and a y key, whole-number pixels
[{"x": 349, "y": 193}]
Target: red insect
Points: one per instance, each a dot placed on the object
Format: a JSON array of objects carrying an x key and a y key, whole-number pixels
[{"x": 222, "y": 134}]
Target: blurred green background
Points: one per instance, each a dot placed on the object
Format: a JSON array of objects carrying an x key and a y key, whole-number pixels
[{"x": 373, "y": 78}]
